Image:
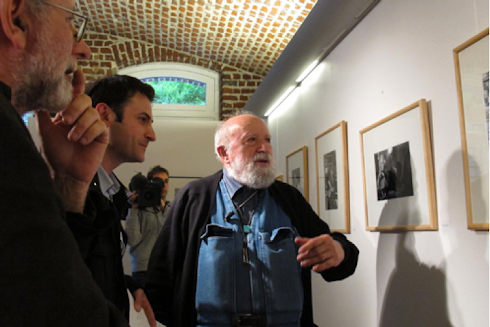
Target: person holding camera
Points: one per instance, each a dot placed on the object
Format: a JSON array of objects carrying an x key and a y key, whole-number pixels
[
  {"x": 145, "y": 218},
  {"x": 124, "y": 105}
]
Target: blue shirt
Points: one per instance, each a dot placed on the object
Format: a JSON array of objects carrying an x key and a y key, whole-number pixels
[
  {"x": 109, "y": 185},
  {"x": 268, "y": 282},
  {"x": 240, "y": 193}
]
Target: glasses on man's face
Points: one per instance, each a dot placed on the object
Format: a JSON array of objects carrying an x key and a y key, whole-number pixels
[{"x": 79, "y": 21}]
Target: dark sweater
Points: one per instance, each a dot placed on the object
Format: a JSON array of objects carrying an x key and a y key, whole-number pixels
[
  {"x": 99, "y": 239},
  {"x": 43, "y": 279},
  {"x": 172, "y": 270}
]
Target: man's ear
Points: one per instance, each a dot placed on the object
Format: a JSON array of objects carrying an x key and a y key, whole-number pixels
[
  {"x": 222, "y": 153},
  {"x": 106, "y": 114},
  {"x": 13, "y": 22}
]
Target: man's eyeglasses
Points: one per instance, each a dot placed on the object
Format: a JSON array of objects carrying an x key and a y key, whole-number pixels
[{"x": 80, "y": 21}]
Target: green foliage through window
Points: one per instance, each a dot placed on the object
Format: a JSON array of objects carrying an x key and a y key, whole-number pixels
[{"x": 175, "y": 90}]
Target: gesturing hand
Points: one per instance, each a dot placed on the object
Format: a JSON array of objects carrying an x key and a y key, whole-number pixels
[
  {"x": 321, "y": 252},
  {"x": 73, "y": 145}
]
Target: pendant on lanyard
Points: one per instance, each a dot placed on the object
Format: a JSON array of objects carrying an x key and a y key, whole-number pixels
[{"x": 246, "y": 229}]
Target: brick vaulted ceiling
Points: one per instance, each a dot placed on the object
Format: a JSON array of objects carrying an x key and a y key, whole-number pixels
[{"x": 246, "y": 34}]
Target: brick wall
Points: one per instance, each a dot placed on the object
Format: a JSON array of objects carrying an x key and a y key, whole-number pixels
[{"x": 111, "y": 53}]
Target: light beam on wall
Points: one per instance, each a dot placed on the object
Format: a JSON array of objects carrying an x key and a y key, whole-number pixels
[
  {"x": 281, "y": 99},
  {"x": 290, "y": 89},
  {"x": 307, "y": 71}
]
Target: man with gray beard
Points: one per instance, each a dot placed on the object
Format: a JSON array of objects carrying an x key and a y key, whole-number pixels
[
  {"x": 237, "y": 247},
  {"x": 43, "y": 279}
]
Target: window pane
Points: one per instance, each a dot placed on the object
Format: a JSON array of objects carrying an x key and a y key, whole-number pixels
[{"x": 177, "y": 90}]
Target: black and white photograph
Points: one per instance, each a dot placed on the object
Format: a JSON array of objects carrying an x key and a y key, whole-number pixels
[
  {"x": 330, "y": 167},
  {"x": 297, "y": 170},
  {"x": 399, "y": 184},
  {"x": 394, "y": 172},
  {"x": 296, "y": 178},
  {"x": 332, "y": 177}
]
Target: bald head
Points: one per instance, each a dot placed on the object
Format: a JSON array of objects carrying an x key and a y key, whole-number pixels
[
  {"x": 229, "y": 128},
  {"x": 243, "y": 145},
  {"x": 244, "y": 120}
]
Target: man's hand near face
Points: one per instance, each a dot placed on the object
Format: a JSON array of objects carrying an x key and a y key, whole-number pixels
[{"x": 73, "y": 145}]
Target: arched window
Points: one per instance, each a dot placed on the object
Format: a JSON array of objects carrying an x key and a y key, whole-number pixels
[{"x": 181, "y": 90}]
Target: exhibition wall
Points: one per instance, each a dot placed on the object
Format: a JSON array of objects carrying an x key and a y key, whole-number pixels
[{"x": 400, "y": 53}]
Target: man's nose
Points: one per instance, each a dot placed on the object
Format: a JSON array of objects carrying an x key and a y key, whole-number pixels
[
  {"x": 81, "y": 50},
  {"x": 265, "y": 147},
  {"x": 151, "y": 134}
]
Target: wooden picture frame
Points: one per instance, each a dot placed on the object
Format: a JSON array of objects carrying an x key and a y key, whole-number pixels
[
  {"x": 297, "y": 170},
  {"x": 332, "y": 178},
  {"x": 399, "y": 187},
  {"x": 471, "y": 64}
]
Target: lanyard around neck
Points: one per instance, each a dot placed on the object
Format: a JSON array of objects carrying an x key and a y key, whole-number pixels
[
  {"x": 246, "y": 227},
  {"x": 239, "y": 207},
  {"x": 245, "y": 224}
]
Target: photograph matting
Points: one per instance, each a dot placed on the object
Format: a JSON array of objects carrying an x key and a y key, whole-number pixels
[
  {"x": 332, "y": 178},
  {"x": 297, "y": 170},
  {"x": 414, "y": 208},
  {"x": 471, "y": 63}
]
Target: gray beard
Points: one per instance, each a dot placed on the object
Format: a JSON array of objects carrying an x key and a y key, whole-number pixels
[
  {"x": 248, "y": 174},
  {"x": 35, "y": 94},
  {"x": 36, "y": 87}
]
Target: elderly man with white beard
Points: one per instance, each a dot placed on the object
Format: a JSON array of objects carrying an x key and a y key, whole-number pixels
[{"x": 237, "y": 247}]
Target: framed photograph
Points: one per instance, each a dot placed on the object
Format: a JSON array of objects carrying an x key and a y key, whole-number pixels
[
  {"x": 297, "y": 170},
  {"x": 399, "y": 188},
  {"x": 332, "y": 177},
  {"x": 471, "y": 61}
]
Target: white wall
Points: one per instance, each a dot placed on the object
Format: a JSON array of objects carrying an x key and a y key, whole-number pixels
[
  {"x": 184, "y": 147},
  {"x": 401, "y": 52}
]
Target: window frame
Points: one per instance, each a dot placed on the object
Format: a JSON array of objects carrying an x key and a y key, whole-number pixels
[{"x": 210, "y": 111}]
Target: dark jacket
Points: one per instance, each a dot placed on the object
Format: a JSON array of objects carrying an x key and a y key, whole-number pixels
[
  {"x": 172, "y": 270},
  {"x": 100, "y": 243},
  {"x": 43, "y": 279}
]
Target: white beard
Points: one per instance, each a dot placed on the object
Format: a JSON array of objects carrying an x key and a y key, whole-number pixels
[{"x": 257, "y": 177}]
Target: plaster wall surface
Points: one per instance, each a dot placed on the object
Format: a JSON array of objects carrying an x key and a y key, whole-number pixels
[{"x": 400, "y": 53}]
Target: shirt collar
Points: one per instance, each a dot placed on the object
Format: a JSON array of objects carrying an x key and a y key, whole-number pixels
[
  {"x": 237, "y": 191},
  {"x": 232, "y": 185},
  {"x": 109, "y": 185}
]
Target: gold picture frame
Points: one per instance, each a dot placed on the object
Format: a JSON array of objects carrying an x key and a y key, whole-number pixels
[
  {"x": 399, "y": 187},
  {"x": 332, "y": 178},
  {"x": 471, "y": 65}
]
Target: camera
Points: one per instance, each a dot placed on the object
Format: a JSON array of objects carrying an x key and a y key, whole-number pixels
[{"x": 149, "y": 191}]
